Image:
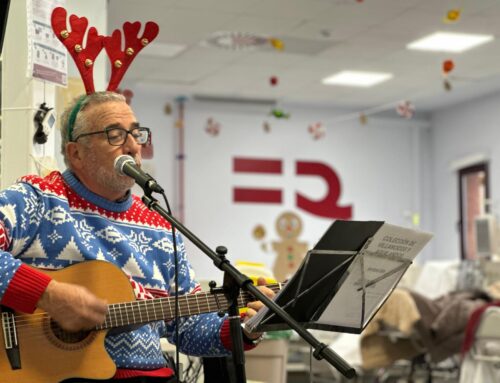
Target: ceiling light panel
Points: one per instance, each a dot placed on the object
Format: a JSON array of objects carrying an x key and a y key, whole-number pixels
[
  {"x": 355, "y": 78},
  {"x": 449, "y": 42}
]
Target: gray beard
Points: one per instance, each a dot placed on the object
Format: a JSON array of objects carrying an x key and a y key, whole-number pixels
[{"x": 110, "y": 179}]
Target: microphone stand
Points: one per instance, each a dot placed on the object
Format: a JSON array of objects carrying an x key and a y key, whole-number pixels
[{"x": 233, "y": 282}]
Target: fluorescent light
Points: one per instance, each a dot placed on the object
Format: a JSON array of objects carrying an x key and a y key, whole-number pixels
[
  {"x": 353, "y": 78},
  {"x": 449, "y": 42}
]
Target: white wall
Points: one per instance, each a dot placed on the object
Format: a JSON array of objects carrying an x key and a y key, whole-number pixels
[
  {"x": 379, "y": 165},
  {"x": 460, "y": 132},
  {"x": 23, "y": 94}
]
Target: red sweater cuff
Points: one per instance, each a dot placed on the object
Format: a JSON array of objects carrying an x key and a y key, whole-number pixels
[
  {"x": 25, "y": 289},
  {"x": 225, "y": 335},
  {"x": 122, "y": 373}
]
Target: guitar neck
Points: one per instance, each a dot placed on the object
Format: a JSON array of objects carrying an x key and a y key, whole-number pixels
[{"x": 150, "y": 310}]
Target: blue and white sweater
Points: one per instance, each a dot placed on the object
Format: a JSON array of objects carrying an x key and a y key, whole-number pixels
[{"x": 56, "y": 221}]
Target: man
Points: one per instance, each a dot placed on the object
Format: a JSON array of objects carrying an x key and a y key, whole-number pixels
[{"x": 88, "y": 213}]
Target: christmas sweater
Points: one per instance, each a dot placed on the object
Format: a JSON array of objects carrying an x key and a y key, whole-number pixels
[{"x": 54, "y": 222}]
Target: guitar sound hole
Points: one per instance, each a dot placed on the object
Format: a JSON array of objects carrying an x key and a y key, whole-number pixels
[{"x": 66, "y": 336}]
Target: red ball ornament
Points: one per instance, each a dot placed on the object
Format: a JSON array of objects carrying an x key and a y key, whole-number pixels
[
  {"x": 273, "y": 81},
  {"x": 448, "y": 66}
]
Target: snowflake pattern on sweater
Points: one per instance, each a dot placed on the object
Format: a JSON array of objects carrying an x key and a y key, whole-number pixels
[{"x": 54, "y": 222}]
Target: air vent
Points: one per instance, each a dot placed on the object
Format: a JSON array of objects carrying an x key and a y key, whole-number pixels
[
  {"x": 250, "y": 41},
  {"x": 235, "y": 40}
]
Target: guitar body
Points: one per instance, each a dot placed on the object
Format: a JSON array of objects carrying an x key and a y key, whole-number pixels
[{"x": 46, "y": 355}]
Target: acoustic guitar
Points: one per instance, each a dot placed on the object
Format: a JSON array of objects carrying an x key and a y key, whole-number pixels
[{"x": 37, "y": 350}]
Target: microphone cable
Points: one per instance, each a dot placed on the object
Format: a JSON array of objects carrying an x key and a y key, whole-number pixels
[{"x": 176, "y": 281}]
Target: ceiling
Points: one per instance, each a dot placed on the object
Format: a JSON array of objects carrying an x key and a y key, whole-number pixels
[{"x": 321, "y": 37}]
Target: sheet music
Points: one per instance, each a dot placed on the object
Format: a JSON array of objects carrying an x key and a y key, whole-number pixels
[
  {"x": 381, "y": 264},
  {"x": 369, "y": 280}
]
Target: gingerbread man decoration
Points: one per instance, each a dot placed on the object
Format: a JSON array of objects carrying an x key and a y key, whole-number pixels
[{"x": 290, "y": 251}]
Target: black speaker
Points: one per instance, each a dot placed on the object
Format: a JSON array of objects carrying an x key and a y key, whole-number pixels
[{"x": 44, "y": 121}]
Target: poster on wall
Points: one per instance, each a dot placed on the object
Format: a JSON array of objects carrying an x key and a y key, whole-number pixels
[{"x": 47, "y": 59}]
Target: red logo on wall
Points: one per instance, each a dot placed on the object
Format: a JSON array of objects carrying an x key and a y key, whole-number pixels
[{"x": 326, "y": 207}]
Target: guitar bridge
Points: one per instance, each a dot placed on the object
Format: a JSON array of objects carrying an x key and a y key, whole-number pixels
[{"x": 10, "y": 338}]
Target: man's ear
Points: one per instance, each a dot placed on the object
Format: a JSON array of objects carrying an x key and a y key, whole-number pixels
[{"x": 74, "y": 155}]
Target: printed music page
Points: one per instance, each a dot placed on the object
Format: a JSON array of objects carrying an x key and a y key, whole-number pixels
[
  {"x": 373, "y": 275},
  {"x": 359, "y": 289}
]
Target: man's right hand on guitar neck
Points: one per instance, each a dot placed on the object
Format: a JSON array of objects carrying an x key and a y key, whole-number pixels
[{"x": 73, "y": 307}]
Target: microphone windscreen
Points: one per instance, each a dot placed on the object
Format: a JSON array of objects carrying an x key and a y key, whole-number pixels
[{"x": 122, "y": 160}]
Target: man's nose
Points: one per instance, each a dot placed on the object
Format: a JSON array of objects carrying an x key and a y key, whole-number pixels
[{"x": 131, "y": 146}]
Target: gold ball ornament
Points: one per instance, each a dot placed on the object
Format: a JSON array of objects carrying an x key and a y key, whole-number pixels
[{"x": 259, "y": 232}]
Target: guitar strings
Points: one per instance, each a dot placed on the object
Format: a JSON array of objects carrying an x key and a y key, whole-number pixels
[
  {"x": 152, "y": 307},
  {"x": 184, "y": 305},
  {"x": 244, "y": 296}
]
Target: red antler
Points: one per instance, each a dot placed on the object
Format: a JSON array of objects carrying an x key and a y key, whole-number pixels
[
  {"x": 73, "y": 41},
  {"x": 120, "y": 60}
]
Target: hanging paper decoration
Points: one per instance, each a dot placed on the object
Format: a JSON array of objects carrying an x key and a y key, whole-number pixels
[
  {"x": 273, "y": 80},
  {"x": 363, "y": 119},
  {"x": 447, "y": 85},
  {"x": 168, "y": 109},
  {"x": 317, "y": 130},
  {"x": 266, "y": 126},
  {"x": 277, "y": 44},
  {"x": 452, "y": 16},
  {"x": 448, "y": 66},
  {"x": 405, "y": 109},
  {"x": 212, "y": 127},
  {"x": 127, "y": 93},
  {"x": 147, "y": 151},
  {"x": 279, "y": 113}
]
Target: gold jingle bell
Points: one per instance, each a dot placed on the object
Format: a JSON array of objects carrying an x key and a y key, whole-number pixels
[
  {"x": 78, "y": 48},
  {"x": 118, "y": 64},
  {"x": 64, "y": 34},
  {"x": 88, "y": 62},
  {"x": 144, "y": 42},
  {"x": 129, "y": 51}
]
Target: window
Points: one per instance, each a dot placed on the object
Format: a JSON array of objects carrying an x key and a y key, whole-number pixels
[{"x": 473, "y": 187}]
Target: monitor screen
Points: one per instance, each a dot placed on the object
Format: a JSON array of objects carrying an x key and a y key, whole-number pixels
[{"x": 486, "y": 235}]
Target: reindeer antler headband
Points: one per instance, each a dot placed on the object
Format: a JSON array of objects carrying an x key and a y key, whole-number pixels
[{"x": 85, "y": 57}]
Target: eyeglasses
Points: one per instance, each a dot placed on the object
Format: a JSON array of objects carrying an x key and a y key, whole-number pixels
[{"x": 118, "y": 136}]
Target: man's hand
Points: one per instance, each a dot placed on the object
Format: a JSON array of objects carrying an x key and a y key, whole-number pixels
[
  {"x": 253, "y": 307},
  {"x": 73, "y": 307}
]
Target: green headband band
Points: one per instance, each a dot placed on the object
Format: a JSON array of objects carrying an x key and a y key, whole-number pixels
[{"x": 72, "y": 117}]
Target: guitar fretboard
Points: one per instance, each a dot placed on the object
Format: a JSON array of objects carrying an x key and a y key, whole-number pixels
[{"x": 150, "y": 310}]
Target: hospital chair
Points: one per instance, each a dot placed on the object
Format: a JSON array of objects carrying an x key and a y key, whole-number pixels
[{"x": 482, "y": 361}]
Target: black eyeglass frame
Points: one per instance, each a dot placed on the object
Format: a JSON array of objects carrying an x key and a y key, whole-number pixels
[{"x": 115, "y": 128}]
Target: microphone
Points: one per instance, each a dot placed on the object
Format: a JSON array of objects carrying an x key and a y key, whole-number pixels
[{"x": 126, "y": 166}]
